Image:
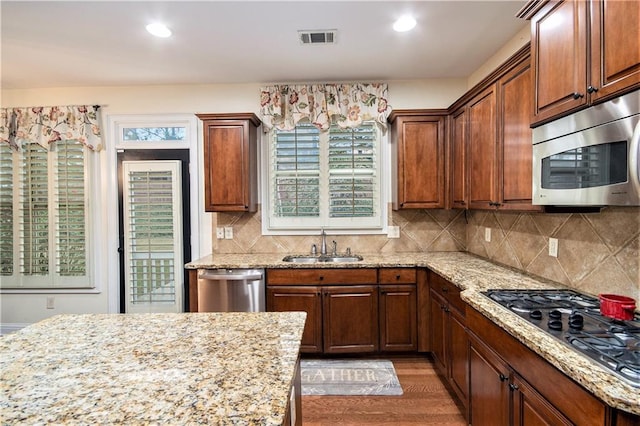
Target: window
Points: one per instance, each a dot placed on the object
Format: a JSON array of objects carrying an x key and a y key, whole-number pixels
[
  {"x": 43, "y": 199},
  {"x": 324, "y": 179}
]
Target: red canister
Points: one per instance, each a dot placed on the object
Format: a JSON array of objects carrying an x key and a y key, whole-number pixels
[{"x": 617, "y": 307}]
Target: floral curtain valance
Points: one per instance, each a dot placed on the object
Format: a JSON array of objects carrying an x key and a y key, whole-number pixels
[
  {"x": 283, "y": 106},
  {"x": 46, "y": 125}
]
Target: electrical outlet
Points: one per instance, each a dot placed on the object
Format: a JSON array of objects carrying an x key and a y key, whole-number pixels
[
  {"x": 393, "y": 232},
  {"x": 228, "y": 233},
  {"x": 50, "y": 302},
  {"x": 553, "y": 247},
  {"x": 219, "y": 232},
  {"x": 487, "y": 234}
]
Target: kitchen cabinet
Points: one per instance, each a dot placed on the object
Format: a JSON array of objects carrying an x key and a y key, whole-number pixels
[
  {"x": 230, "y": 161},
  {"x": 418, "y": 158},
  {"x": 483, "y": 168},
  {"x": 583, "y": 52},
  {"x": 301, "y": 298},
  {"x": 458, "y": 177},
  {"x": 498, "y": 396},
  {"x": 510, "y": 384},
  {"x": 341, "y": 304},
  {"x": 349, "y": 310},
  {"x": 491, "y": 150},
  {"x": 350, "y": 319},
  {"x": 398, "y": 306},
  {"x": 449, "y": 341}
]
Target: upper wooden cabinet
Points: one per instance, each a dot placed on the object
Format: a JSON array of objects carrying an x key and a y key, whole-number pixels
[
  {"x": 582, "y": 52},
  {"x": 491, "y": 142},
  {"x": 418, "y": 158},
  {"x": 230, "y": 162}
]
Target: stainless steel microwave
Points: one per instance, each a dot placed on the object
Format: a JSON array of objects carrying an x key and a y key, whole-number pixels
[{"x": 590, "y": 158}]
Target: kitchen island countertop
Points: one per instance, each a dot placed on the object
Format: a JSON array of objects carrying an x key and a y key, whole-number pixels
[{"x": 194, "y": 368}]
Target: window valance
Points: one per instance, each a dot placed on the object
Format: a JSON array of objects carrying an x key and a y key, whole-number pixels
[
  {"x": 348, "y": 105},
  {"x": 46, "y": 125}
]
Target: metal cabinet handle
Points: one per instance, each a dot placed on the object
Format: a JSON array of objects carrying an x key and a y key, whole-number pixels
[
  {"x": 513, "y": 386},
  {"x": 503, "y": 377},
  {"x": 577, "y": 95},
  {"x": 592, "y": 89}
]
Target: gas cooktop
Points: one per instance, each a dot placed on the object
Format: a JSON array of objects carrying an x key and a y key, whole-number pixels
[{"x": 575, "y": 319}]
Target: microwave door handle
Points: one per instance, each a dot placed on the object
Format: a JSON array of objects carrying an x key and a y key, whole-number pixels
[{"x": 634, "y": 154}]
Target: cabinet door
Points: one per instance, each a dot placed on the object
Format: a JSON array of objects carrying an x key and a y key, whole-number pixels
[
  {"x": 300, "y": 298},
  {"x": 531, "y": 409},
  {"x": 398, "y": 320},
  {"x": 482, "y": 150},
  {"x": 437, "y": 316},
  {"x": 488, "y": 387},
  {"x": 559, "y": 55},
  {"x": 230, "y": 161},
  {"x": 458, "y": 176},
  {"x": 420, "y": 162},
  {"x": 516, "y": 150},
  {"x": 458, "y": 355},
  {"x": 615, "y": 47},
  {"x": 350, "y": 318}
]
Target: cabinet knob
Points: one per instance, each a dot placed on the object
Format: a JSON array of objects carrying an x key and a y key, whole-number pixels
[
  {"x": 577, "y": 95},
  {"x": 397, "y": 277},
  {"x": 592, "y": 89},
  {"x": 445, "y": 290},
  {"x": 513, "y": 386},
  {"x": 321, "y": 278},
  {"x": 503, "y": 377}
]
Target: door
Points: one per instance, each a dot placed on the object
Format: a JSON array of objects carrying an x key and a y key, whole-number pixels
[
  {"x": 300, "y": 298},
  {"x": 482, "y": 150},
  {"x": 350, "y": 318},
  {"x": 154, "y": 222}
]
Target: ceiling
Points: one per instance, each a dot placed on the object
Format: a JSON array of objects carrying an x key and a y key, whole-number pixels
[{"x": 104, "y": 43}]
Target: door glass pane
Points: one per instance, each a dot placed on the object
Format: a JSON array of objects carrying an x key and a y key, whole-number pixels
[
  {"x": 153, "y": 244},
  {"x": 153, "y": 134}
]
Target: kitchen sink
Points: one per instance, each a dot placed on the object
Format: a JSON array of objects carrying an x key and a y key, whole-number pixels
[{"x": 322, "y": 259}]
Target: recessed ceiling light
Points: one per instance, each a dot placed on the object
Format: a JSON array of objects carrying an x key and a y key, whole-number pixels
[
  {"x": 159, "y": 30},
  {"x": 404, "y": 23}
]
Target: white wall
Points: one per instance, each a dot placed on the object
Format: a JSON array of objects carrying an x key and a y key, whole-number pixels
[{"x": 21, "y": 309}]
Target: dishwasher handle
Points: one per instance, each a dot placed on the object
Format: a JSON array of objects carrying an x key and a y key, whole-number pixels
[{"x": 231, "y": 276}]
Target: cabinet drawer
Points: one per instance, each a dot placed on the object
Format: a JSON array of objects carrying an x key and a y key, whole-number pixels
[
  {"x": 397, "y": 276},
  {"x": 447, "y": 290},
  {"x": 299, "y": 276}
]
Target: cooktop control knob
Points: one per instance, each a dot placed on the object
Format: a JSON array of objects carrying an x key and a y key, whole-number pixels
[
  {"x": 536, "y": 314},
  {"x": 576, "y": 321}
]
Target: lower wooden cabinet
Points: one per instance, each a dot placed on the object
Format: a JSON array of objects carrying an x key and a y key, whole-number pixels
[
  {"x": 449, "y": 341},
  {"x": 350, "y": 319},
  {"x": 347, "y": 310},
  {"x": 301, "y": 298}
]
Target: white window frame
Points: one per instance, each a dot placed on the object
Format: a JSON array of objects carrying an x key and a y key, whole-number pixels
[
  {"x": 310, "y": 226},
  {"x": 18, "y": 283}
]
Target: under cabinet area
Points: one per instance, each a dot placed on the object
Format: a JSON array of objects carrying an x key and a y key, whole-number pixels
[
  {"x": 349, "y": 310},
  {"x": 603, "y": 38},
  {"x": 230, "y": 162}
]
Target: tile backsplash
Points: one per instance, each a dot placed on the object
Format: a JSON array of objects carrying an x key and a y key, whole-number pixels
[{"x": 597, "y": 252}]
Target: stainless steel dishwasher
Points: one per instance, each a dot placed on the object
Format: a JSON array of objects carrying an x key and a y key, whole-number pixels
[{"x": 231, "y": 290}]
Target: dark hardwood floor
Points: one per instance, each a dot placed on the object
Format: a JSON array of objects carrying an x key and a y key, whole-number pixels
[{"x": 425, "y": 401}]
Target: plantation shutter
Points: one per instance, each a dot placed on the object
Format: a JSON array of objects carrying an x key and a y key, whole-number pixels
[
  {"x": 34, "y": 211},
  {"x": 6, "y": 210},
  {"x": 71, "y": 244},
  {"x": 296, "y": 164},
  {"x": 352, "y": 171},
  {"x": 153, "y": 224}
]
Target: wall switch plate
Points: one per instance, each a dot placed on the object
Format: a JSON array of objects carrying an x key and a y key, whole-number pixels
[
  {"x": 50, "y": 302},
  {"x": 228, "y": 233},
  {"x": 487, "y": 234},
  {"x": 219, "y": 232},
  {"x": 393, "y": 232},
  {"x": 553, "y": 247}
]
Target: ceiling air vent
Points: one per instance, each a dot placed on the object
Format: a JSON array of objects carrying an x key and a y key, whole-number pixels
[{"x": 317, "y": 36}]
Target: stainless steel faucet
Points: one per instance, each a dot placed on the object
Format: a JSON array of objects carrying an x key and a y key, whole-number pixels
[{"x": 323, "y": 245}]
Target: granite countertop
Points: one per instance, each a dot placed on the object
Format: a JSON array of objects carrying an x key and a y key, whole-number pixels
[
  {"x": 472, "y": 275},
  {"x": 193, "y": 368}
]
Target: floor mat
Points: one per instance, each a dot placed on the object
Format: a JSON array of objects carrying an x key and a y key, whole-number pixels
[{"x": 349, "y": 377}]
